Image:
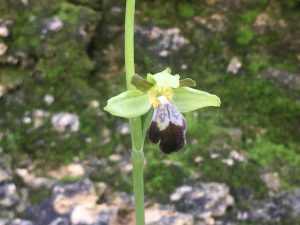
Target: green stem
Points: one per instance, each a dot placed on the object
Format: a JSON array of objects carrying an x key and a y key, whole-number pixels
[{"x": 135, "y": 123}]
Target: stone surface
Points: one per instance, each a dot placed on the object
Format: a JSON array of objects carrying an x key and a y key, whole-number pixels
[
  {"x": 8, "y": 195},
  {"x": 285, "y": 79},
  {"x": 65, "y": 122},
  {"x": 39, "y": 117},
  {"x": 234, "y": 65},
  {"x": 71, "y": 170},
  {"x": 67, "y": 196},
  {"x": 163, "y": 215},
  {"x": 272, "y": 181},
  {"x": 4, "y": 32},
  {"x": 48, "y": 99},
  {"x": 3, "y": 48},
  {"x": 5, "y": 167},
  {"x": 203, "y": 200},
  {"x": 52, "y": 25},
  {"x": 123, "y": 128},
  {"x": 21, "y": 222},
  {"x": 94, "y": 215},
  {"x": 32, "y": 181},
  {"x": 163, "y": 41}
]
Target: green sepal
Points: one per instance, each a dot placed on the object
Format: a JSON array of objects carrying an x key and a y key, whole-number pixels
[
  {"x": 150, "y": 79},
  {"x": 164, "y": 79},
  {"x": 187, "y": 82},
  {"x": 141, "y": 83},
  {"x": 129, "y": 104},
  {"x": 188, "y": 99}
]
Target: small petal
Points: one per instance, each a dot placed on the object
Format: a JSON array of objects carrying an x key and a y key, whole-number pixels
[
  {"x": 188, "y": 99},
  {"x": 168, "y": 127},
  {"x": 128, "y": 104},
  {"x": 141, "y": 83},
  {"x": 164, "y": 79},
  {"x": 187, "y": 82}
]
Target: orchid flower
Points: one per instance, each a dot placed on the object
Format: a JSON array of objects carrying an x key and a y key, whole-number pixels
[{"x": 169, "y": 97}]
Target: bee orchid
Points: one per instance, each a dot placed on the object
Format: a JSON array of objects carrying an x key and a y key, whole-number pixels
[{"x": 169, "y": 97}]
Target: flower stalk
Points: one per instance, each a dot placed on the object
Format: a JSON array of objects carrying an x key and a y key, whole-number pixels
[
  {"x": 163, "y": 96},
  {"x": 137, "y": 139}
]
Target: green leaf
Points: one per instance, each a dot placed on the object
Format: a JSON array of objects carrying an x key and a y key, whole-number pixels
[
  {"x": 164, "y": 79},
  {"x": 188, "y": 99},
  {"x": 128, "y": 104}
]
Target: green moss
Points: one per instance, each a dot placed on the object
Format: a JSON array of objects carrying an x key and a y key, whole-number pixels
[
  {"x": 186, "y": 10},
  {"x": 37, "y": 196},
  {"x": 250, "y": 15},
  {"x": 69, "y": 13},
  {"x": 245, "y": 35},
  {"x": 279, "y": 158},
  {"x": 160, "y": 178}
]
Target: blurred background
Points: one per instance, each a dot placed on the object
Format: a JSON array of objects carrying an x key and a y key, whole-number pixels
[{"x": 63, "y": 160}]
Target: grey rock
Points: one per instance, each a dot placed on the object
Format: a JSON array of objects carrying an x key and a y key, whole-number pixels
[
  {"x": 64, "y": 122},
  {"x": 163, "y": 41},
  {"x": 60, "y": 221},
  {"x": 94, "y": 215},
  {"x": 123, "y": 128},
  {"x": 5, "y": 167},
  {"x": 3, "y": 48},
  {"x": 4, "y": 32},
  {"x": 32, "y": 181},
  {"x": 21, "y": 222},
  {"x": 272, "y": 181},
  {"x": 8, "y": 195},
  {"x": 275, "y": 209},
  {"x": 234, "y": 65},
  {"x": 52, "y": 25},
  {"x": 283, "y": 78},
  {"x": 203, "y": 200},
  {"x": 165, "y": 215}
]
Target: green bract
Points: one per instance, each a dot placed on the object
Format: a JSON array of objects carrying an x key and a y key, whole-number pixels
[{"x": 135, "y": 103}]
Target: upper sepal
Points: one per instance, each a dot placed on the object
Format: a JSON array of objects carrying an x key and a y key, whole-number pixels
[
  {"x": 164, "y": 79},
  {"x": 128, "y": 104},
  {"x": 188, "y": 99}
]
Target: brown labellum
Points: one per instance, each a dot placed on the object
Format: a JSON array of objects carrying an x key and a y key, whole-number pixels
[{"x": 167, "y": 127}]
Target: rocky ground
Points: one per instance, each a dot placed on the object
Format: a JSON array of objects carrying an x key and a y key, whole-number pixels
[
  {"x": 68, "y": 196},
  {"x": 65, "y": 161}
]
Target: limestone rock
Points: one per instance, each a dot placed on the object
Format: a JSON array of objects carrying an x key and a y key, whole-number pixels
[
  {"x": 272, "y": 181},
  {"x": 72, "y": 170},
  {"x": 4, "y": 32},
  {"x": 21, "y": 222},
  {"x": 32, "y": 181},
  {"x": 162, "y": 215},
  {"x": 67, "y": 196},
  {"x": 3, "y": 48},
  {"x": 94, "y": 215},
  {"x": 8, "y": 195},
  {"x": 234, "y": 65},
  {"x": 64, "y": 122},
  {"x": 163, "y": 41},
  {"x": 203, "y": 200}
]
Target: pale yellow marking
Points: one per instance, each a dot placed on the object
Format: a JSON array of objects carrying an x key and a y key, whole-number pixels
[{"x": 157, "y": 91}]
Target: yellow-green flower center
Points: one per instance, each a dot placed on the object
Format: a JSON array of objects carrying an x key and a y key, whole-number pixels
[{"x": 157, "y": 91}]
